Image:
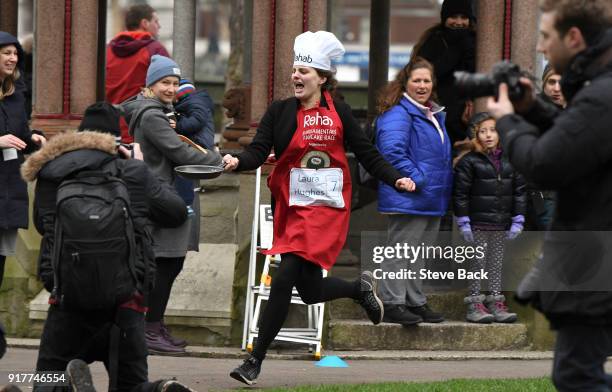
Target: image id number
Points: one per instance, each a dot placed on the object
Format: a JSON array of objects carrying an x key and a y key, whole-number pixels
[{"x": 47, "y": 378}]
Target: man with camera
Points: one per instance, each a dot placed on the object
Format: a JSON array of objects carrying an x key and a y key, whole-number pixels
[
  {"x": 570, "y": 152},
  {"x": 93, "y": 209}
]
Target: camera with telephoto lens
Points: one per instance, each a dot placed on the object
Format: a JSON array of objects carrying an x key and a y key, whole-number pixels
[{"x": 478, "y": 85}]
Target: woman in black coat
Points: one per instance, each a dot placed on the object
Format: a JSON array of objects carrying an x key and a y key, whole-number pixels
[
  {"x": 450, "y": 46},
  {"x": 489, "y": 203},
  {"x": 15, "y": 141}
]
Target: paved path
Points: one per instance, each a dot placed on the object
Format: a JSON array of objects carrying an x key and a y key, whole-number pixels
[{"x": 204, "y": 374}]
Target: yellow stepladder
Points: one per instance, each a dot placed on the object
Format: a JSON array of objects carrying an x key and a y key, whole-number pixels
[{"x": 259, "y": 292}]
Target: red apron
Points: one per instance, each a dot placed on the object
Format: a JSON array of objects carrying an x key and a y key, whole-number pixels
[{"x": 311, "y": 185}]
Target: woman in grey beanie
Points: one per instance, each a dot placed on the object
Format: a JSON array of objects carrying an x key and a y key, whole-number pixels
[{"x": 163, "y": 150}]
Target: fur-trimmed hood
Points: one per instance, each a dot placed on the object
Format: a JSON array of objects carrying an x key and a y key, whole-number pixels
[{"x": 103, "y": 144}]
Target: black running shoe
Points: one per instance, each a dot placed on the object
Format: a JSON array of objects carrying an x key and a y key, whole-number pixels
[
  {"x": 369, "y": 301},
  {"x": 248, "y": 371},
  {"x": 80, "y": 376}
]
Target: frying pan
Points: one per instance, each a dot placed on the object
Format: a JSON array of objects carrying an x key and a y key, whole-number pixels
[{"x": 199, "y": 172}]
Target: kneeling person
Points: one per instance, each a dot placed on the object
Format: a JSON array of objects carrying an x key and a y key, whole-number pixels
[{"x": 97, "y": 316}]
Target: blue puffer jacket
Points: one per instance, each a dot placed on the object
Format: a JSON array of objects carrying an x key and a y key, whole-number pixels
[{"x": 412, "y": 144}]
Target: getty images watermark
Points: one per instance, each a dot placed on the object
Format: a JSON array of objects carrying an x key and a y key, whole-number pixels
[
  {"x": 401, "y": 253},
  {"x": 571, "y": 261}
]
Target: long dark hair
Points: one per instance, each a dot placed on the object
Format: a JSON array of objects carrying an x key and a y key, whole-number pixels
[
  {"x": 331, "y": 83},
  {"x": 391, "y": 94}
]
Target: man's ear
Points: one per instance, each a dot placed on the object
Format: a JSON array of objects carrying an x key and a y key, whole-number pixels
[
  {"x": 574, "y": 40},
  {"x": 144, "y": 24}
]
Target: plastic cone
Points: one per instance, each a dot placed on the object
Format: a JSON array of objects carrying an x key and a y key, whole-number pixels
[{"x": 331, "y": 361}]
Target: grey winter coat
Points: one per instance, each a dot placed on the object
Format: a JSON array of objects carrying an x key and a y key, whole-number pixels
[{"x": 163, "y": 151}]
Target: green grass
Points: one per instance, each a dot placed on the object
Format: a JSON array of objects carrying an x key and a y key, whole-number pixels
[{"x": 520, "y": 385}]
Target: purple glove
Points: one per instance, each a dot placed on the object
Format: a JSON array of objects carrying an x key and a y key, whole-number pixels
[
  {"x": 516, "y": 227},
  {"x": 464, "y": 228}
]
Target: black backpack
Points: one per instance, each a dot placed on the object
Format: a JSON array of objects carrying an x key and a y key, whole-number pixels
[{"x": 94, "y": 244}]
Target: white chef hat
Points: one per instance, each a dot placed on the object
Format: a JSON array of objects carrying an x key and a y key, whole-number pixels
[{"x": 316, "y": 49}]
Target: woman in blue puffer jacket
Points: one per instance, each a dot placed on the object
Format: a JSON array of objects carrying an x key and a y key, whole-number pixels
[{"x": 411, "y": 135}]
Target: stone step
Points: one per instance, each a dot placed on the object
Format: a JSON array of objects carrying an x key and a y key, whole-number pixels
[
  {"x": 449, "y": 303},
  {"x": 450, "y": 335}
]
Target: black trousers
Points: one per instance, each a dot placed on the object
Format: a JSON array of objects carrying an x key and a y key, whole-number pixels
[
  {"x": 165, "y": 275},
  {"x": 580, "y": 354},
  {"x": 69, "y": 335},
  {"x": 2, "y": 262},
  {"x": 308, "y": 279}
]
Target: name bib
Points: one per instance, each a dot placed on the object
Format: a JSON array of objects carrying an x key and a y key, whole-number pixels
[
  {"x": 8, "y": 154},
  {"x": 316, "y": 187}
]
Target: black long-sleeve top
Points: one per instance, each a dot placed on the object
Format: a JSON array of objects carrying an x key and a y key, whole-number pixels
[{"x": 279, "y": 123}]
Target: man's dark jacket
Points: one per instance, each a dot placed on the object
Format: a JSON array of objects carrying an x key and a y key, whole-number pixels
[
  {"x": 571, "y": 152},
  {"x": 67, "y": 154}
]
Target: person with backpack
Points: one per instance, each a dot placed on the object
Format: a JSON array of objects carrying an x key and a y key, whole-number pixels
[
  {"x": 94, "y": 211},
  {"x": 411, "y": 135},
  {"x": 163, "y": 151}
]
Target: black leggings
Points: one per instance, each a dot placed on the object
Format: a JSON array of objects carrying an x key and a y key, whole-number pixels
[
  {"x": 2, "y": 260},
  {"x": 168, "y": 269},
  {"x": 307, "y": 277}
]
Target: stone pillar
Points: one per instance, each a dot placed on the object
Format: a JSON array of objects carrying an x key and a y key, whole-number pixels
[
  {"x": 271, "y": 65},
  {"x": 289, "y": 24},
  {"x": 489, "y": 34},
  {"x": 378, "y": 69},
  {"x": 525, "y": 34},
  {"x": 317, "y": 14},
  {"x": 489, "y": 38},
  {"x": 64, "y": 85},
  {"x": 260, "y": 62},
  {"x": 83, "y": 55},
  {"x": 183, "y": 36},
  {"x": 9, "y": 16}
]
